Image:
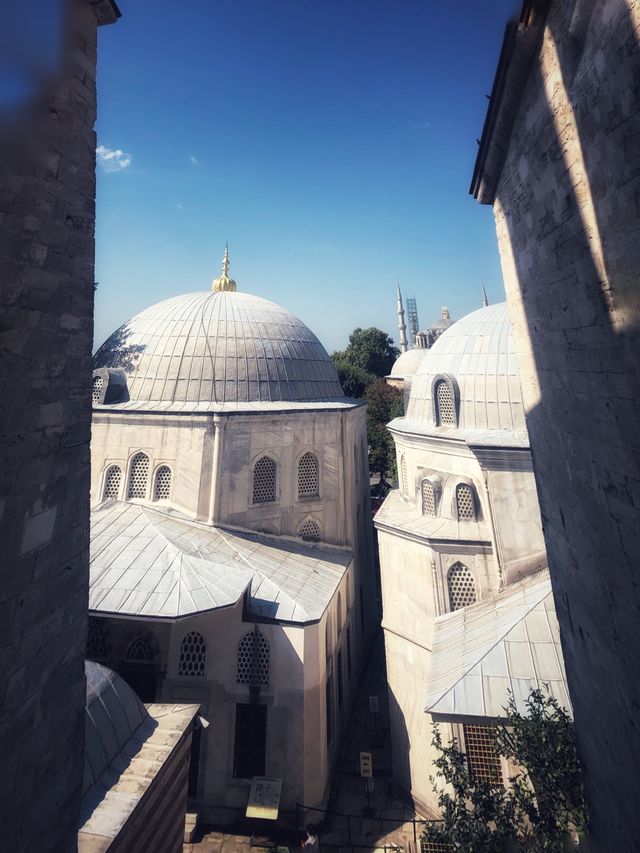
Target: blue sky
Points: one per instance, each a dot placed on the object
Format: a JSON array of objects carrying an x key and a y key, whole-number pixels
[{"x": 331, "y": 142}]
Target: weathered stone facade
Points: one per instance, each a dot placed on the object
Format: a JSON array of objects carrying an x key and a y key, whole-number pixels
[
  {"x": 560, "y": 162},
  {"x": 47, "y": 212}
]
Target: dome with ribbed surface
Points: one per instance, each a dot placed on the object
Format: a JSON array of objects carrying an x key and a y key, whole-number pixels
[
  {"x": 477, "y": 354},
  {"x": 408, "y": 363},
  {"x": 220, "y": 347}
]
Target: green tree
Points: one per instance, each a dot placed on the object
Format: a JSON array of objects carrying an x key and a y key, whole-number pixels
[
  {"x": 383, "y": 405},
  {"x": 543, "y": 802},
  {"x": 372, "y": 350},
  {"x": 353, "y": 379}
]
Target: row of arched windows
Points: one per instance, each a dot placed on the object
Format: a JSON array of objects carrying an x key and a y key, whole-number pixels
[
  {"x": 252, "y": 665},
  {"x": 138, "y": 480},
  {"x": 265, "y": 476},
  {"x": 466, "y": 501}
]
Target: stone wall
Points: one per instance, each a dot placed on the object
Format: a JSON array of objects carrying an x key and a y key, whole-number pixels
[
  {"x": 47, "y": 192},
  {"x": 567, "y": 205}
]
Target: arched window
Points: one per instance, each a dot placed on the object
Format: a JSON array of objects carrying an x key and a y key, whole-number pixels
[
  {"x": 404, "y": 476},
  {"x": 193, "y": 655},
  {"x": 138, "y": 476},
  {"x": 140, "y": 650},
  {"x": 328, "y": 637},
  {"x": 253, "y": 660},
  {"x": 162, "y": 485},
  {"x": 112, "y": 483},
  {"x": 465, "y": 502},
  {"x": 308, "y": 481},
  {"x": 445, "y": 404},
  {"x": 428, "y": 498},
  {"x": 98, "y": 638},
  {"x": 462, "y": 586},
  {"x": 96, "y": 389},
  {"x": 264, "y": 480},
  {"x": 309, "y": 530}
]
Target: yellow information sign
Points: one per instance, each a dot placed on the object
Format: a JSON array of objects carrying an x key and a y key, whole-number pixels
[
  {"x": 264, "y": 798},
  {"x": 366, "y": 765}
]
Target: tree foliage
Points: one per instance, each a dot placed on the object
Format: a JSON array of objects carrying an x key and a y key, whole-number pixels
[
  {"x": 543, "y": 802},
  {"x": 353, "y": 379},
  {"x": 383, "y": 405},
  {"x": 371, "y": 350}
]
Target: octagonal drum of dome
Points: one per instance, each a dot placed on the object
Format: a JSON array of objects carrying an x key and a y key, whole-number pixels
[
  {"x": 478, "y": 354},
  {"x": 220, "y": 347}
]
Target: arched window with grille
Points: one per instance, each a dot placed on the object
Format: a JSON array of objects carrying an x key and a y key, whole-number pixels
[
  {"x": 253, "y": 660},
  {"x": 96, "y": 389},
  {"x": 138, "y": 476},
  {"x": 140, "y": 650},
  {"x": 162, "y": 484},
  {"x": 98, "y": 638},
  {"x": 428, "y": 498},
  {"x": 193, "y": 655},
  {"x": 445, "y": 404},
  {"x": 462, "y": 586},
  {"x": 404, "y": 476},
  {"x": 308, "y": 476},
  {"x": 112, "y": 480},
  {"x": 264, "y": 480},
  {"x": 465, "y": 502},
  {"x": 309, "y": 531}
]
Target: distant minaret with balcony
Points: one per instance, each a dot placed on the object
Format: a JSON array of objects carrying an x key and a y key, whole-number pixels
[{"x": 401, "y": 324}]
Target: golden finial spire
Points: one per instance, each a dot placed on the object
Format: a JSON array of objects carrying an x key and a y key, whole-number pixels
[{"x": 224, "y": 282}]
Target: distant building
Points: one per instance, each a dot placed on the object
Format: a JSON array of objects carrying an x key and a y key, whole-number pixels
[
  {"x": 467, "y": 607},
  {"x": 413, "y": 321},
  {"x": 559, "y": 160},
  {"x": 231, "y": 546}
]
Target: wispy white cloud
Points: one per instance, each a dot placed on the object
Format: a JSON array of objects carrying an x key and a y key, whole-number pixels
[
  {"x": 194, "y": 160},
  {"x": 113, "y": 159}
]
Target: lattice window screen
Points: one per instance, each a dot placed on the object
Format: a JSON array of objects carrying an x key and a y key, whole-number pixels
[
  {"x": 162, "y": 486},
  {"x": 264, "y": 480},
  {"x": 435, "y": 847},
  {"x": 428, "y": 498},
  {"x": 445, "y": 404},
  {"x": 253, "y": 660},
  {"x": 309, "y": 530},
  {"x": 464, "y": 502},
  {"x": 96, "y": 388},
  {"x": 193, "y": 655},
  {"x": 112, "y": 482},
  {"x": 98, "y": 638},
  {"x": 308, "y": 476},
  {"x": 482, "y": 758},
  {"x": 405, "y": 477},
  {"x": 462, "y": 586},
  {"x": 140, "y": 650},
  {"x": 139, "y": 476}
]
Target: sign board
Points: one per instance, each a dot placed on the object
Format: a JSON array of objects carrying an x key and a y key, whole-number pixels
[
  {"x": 366, "y": 765},
  {"x": 373, "y": 704},
  {"x": 264, "y": 798}
]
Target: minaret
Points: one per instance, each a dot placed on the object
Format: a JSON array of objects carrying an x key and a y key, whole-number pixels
[
  {"x": 485, "y": 301},
  {"x": 224, "y": 283},
  {"x": 401, "y": 326}
]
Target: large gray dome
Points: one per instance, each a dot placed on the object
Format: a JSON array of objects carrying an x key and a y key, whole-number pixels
[{"x": 220, "y": 347}]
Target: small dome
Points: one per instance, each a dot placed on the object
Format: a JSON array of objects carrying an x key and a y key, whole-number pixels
[
  {"x": 408, "y": 364},
  {"x": 113, "y": 714},
  {"x": 220, "y": 347},
  {"x": 478, "y": 354}
]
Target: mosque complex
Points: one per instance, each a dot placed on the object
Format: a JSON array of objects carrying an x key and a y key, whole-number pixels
[{"x": 232, "y": 562}]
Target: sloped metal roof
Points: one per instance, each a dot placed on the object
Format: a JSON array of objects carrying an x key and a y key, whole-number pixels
[
  {"x": 145, "y": 562},
  {"x": 510, "y": 643}
]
